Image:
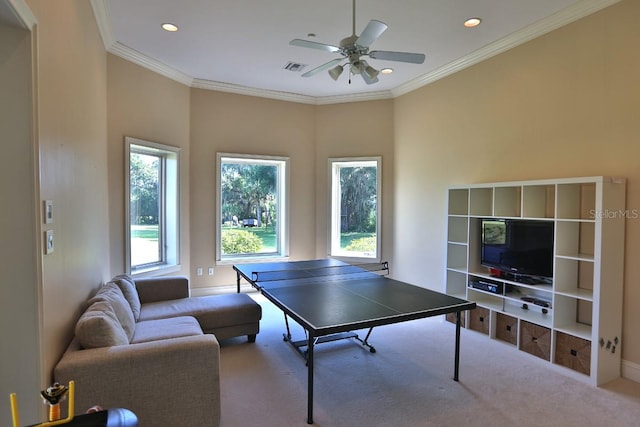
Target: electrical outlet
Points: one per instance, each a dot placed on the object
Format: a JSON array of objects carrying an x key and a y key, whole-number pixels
[
  {"x": 210, "y": 271},
  {"x": 199, "y": 271}
]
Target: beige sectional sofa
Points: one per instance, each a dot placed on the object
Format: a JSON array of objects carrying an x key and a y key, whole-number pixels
[{"x": 147, "y": 346}]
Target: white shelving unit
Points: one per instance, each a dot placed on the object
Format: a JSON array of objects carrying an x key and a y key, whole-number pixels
[{"x": 580, "y": 328}]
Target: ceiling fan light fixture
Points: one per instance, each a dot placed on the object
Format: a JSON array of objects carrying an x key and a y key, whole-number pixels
[
  {"x": 336, "y": 71},
  {"x": 371, "y": 72}
]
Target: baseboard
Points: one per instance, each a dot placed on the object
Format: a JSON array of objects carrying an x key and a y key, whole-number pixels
[{"x": 631, "y": 371}]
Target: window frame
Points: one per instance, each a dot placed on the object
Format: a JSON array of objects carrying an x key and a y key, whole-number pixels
[
  {"x": 169, "y": 211},
  {"x": 333, "y": 229},
  {"x": 282, "y": 251}
]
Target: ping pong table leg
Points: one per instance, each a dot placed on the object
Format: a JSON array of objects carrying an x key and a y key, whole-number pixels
[
  {"x": 238, "y": 280},
  {"x": 457, "y": 356},
  {"x": 310, "y": 344}
]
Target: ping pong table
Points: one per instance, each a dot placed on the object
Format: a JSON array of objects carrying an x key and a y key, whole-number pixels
[{"x": 330, "y": 299}]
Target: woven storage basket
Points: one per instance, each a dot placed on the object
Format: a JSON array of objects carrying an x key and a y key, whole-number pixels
[
  {"x": 573, "y": 352},
  {"x": 507, "y": 328},
  {"x": 479, "y": 320},
  {"x": 535, "y": 339},
  {"x": 451, "y": 317}
]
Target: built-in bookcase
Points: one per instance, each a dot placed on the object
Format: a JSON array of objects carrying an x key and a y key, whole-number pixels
[{"x": 576, "y": 320}]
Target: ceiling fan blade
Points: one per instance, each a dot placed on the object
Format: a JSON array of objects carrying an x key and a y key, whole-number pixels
[
  {"x": 413, "y": 58},
  {"x": 314, "y": 45},
  {"x": 371, "y": 32},
  {"x": 323, "y": 67}
]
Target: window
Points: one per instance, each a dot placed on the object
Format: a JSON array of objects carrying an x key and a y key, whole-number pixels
[
  {"x": 152, "y": 206},
  {"x": 355, "y": 208},
  {"x": 252, "y": 207}
]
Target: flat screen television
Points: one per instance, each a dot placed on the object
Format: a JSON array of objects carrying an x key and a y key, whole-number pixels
[{"x": 518, "y": 247}]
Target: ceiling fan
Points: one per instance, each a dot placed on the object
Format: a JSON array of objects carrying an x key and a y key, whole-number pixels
[{"x": 353, "y": 48}]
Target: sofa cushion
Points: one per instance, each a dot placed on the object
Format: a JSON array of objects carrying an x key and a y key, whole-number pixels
[
  {"x": 99, "y": 327},
  {"x": 111, "y": 293},
  {"x": 162, "y": 329},
  {"x": 128, "y": 288},
  {"x": 212, "y": 311}
]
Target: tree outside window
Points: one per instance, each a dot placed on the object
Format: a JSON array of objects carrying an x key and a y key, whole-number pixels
[
  {"x": 152, "y": 206},
  {"x": 355, "y": 208},
  {"x": 252, "y": 204}
]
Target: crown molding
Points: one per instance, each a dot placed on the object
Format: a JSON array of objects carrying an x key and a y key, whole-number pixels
[
  {"x": 355, "y": 97},
  {"x": 19, "y": 14},
  {"x": 245, "y": 90},
  {"x": 544, "y": 26},
  {"x": 145, "y": 61},
  {"x": 103, "y": 19}
]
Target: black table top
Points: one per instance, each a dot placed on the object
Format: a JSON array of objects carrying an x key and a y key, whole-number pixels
[{"x": 328, "y": 296}]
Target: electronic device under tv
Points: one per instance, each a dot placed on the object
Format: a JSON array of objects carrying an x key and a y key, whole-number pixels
[{"x": 518, "y": 248}]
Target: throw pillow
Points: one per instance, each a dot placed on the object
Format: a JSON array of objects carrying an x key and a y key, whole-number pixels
[
  {"x": 111, "y": 293},
  {"x": 128, "y": 287},
  {"x": 99, "y": 327}
]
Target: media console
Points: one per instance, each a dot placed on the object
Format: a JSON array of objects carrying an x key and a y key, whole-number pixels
[{"x": 572, "y": 319}]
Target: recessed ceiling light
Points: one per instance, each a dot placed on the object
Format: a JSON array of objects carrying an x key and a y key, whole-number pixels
[
  {"x": 472, "y": 22},
  {"x": 386, "y": 70},
  {"x": 169, "y": 27}
]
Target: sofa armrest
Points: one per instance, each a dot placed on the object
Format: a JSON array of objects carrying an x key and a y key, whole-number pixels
[
  {"x": 168, "y": 382},
  {"x": 152, "y": 289}
]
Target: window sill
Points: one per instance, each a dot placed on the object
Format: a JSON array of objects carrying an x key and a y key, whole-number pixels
[
  {"x": 250, "y": 260},
  {"x": 156, "y": 271}
]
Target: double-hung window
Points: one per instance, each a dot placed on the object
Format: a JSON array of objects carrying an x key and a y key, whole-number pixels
[
  {"x": 354, "y": 231},
  {"x": 152, "y": 206},
  {"x": 252, "y": 205}
]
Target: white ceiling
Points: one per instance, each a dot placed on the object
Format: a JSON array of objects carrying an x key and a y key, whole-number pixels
[{"x": 242, "y": 46}]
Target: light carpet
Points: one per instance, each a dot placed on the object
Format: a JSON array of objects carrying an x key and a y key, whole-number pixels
[{"x": 408, "y": 382}]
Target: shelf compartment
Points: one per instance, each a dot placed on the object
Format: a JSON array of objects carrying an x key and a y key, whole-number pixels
[
  {"x": 459, "y": 201},
  {"x": 575, "y": 239},
  {"x": 573, "y": 316},
  {"x": 576, "y": 201},
  {"x": 486, "y": 300},
  {"x": 574, "y": 278},
  {"x": 573, "y": 352},
  {"x": 538, "y": 201},
  {"x": 456, "y": 284},
  {"x": 458, "y": 231},
  {"x": 507, "y": 202},
  {"x": 481, "y": 201},
  {"x": 457, "y": 256},
  {"x": 507, "y": 328},
  {"x": 535, "y": 340},
  {"x": 517, "y": 292},
  {"x": 479, "y": 320},
  {"x": 532, "y": 313}
]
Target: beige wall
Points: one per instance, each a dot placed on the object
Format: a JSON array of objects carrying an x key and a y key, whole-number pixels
[
  {"x": 229, "y": 123},
  {"x": 144, "y": 105},
  {"x": 19, "y": 279},
  {"x": 354, "y": 130},
  {"x": 566, "y": 104},
  {"x": 71, "y": 79}
]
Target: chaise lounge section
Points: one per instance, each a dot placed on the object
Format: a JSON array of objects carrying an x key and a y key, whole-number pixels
[{"x": 147, "y": 346}]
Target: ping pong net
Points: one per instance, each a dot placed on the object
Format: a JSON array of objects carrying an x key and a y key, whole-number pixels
[{"x": 325, "y": 273}]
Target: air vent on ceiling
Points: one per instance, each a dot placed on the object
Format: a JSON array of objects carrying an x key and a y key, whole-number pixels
[{"x": 294, "y": 66}]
